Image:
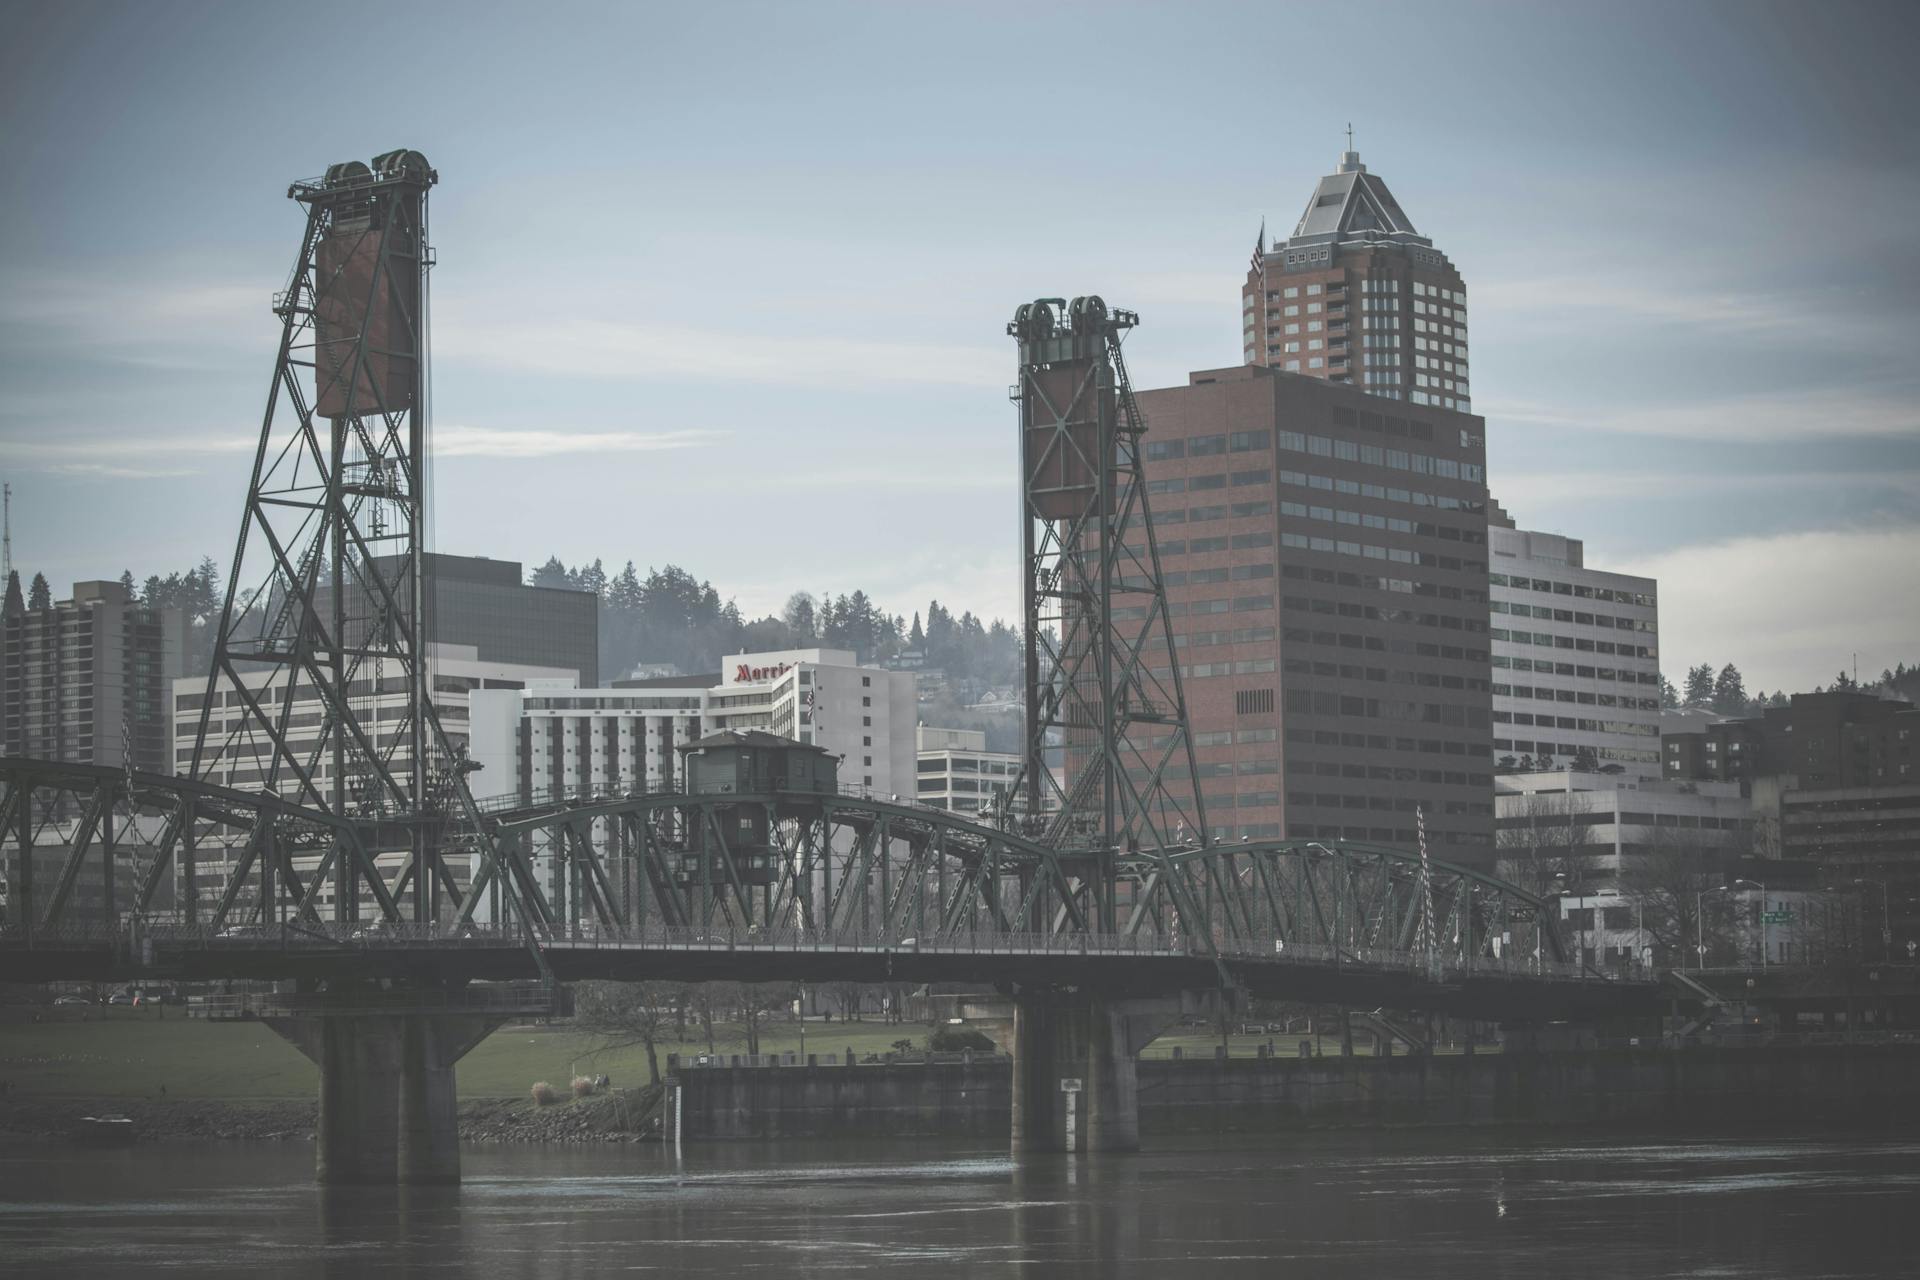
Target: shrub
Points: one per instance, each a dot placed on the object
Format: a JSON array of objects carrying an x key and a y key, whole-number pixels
[
  {"x": 959, "y": 1040},
  {"x": 543, "y": 1094},
  {"x": 582, "y": 1086}
]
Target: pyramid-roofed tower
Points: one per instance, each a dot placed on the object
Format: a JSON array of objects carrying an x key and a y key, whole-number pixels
[{"x": 1357, "y": 295}]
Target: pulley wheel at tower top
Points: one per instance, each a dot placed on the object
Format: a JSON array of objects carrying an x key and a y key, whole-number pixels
[{"x": 1088, "y": 314}]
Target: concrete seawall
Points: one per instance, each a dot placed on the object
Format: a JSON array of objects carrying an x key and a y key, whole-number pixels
[{"x": 1853, "y": 1085}]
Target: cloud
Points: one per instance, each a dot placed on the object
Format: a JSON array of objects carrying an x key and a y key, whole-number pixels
[
  {"x": 1553, "y": 487},
  {"x": 1791, "y": 609},
  {"x": 586, "y": 347},
  {"x": 1672, "y": 302},
  {"x": 104, "y": 471},
  {"x": 107, "y": 456},
  {"x": 486, "y": 442},
  {"x": 1779, "y": 416}
]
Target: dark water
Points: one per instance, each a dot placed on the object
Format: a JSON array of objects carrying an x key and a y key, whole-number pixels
[{"x": 1429, "y": 1204}]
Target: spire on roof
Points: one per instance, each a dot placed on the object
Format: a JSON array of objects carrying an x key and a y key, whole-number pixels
[{"x": 1350, "y": 159}]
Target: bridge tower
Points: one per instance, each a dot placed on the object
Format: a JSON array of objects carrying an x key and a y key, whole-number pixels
[
  {"x": 1104, "y": 696},
  {"x": 327, "y": 601}
]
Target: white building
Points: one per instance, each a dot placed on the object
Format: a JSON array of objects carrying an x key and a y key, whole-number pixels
[
  {"x": 1576, "y": 659},
  {"x": 553, "y": 738},
  {"x": 458, "y": 677},
  {"x": 957, "y": 772},
  {"x": 1615, "y": 817}
]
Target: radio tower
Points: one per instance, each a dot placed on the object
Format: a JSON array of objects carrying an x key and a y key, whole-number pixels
[
  {"x": 1103, "y": 679},
  {"x": 327, "y": 601}
]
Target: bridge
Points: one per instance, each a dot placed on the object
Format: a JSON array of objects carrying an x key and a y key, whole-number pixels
[
  {"x": 357, "y": 866},
  {"x": 812, "y": 885}
]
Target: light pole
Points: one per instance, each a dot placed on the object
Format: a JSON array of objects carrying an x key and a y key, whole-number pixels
[
  {"x": 1754, "y": 884},
  {"x": 1886, "y": 916}
]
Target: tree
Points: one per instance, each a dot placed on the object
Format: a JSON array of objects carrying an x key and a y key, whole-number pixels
[
  {"x": 550, "y": 574},
  {"x": 14, "y": 603},
  {"x": 916, "y": 638},
  {"x": 753, "y": 1005},
  {"x": 127, "y": 585},
  {"x": 1729, "y": 692},
  {"x": 619, "y": 1015},
  {"x": 1842, "y": 683},
  {"x": 1586, "y": 760},
  {"x": 1669, "y": 696},
  {"x": 39, "y": 595},
  {"x": 798, "y": 615},
  {"x": 1699, "y": 691},
  {"x": 1665, "y": 878},
  {"x": 1545, "y": 843}
]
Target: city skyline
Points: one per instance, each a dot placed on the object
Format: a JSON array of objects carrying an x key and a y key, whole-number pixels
[{"x": 1690, "y": 352}]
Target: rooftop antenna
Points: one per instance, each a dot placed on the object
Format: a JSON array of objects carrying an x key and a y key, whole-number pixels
[
  {"x": 1349, "y": 135},
  {"x": 6, "y": 532}
]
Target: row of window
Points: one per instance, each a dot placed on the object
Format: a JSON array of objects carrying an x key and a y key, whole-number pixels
[
  {"x": 1320, "y": 702},
  {"x": 1224, "y": 511},
  {"x": 1544, "y": 694},
  {"x": 1238, "y": 542},
  {"x": 1240, "y": 635},
  {"x": 1376, "y": 455},
  {"x": 1622, "y": 755},
  {"x": 1376, "y": 644},
  {"x": 1373, "y": 613},
  {"x": 1571, "y": 669},
  {"x": 1625, "y": 728},
  {"x": 1391, "y": 524},
  {"x": 1380, "y": 675},
  {"x": 1570, "y": 615},
  {"x": 1397, "y": 555},
  {"x": 1208, "y": 446},
  {"x": 1578, "y": 590},
  {"x": 1544, "y": 640},
  {"x": 1404, "y": 586},
  {"x": 1202, "y": 484}
]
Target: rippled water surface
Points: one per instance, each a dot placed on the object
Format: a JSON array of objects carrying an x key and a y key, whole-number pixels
[{"x": 1429, "y": 1204}]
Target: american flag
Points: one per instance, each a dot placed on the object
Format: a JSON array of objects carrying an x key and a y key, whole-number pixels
[{"x": 1260, "y": 251}]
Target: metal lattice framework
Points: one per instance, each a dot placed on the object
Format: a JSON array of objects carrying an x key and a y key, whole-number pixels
[
  {"x": 1104, "y": 696},
  {"x": 829, "y": 867},
  {"x": 326, "y": 607}
]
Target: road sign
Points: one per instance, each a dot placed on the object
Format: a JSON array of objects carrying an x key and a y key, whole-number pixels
[
  {"x": 1776, "y": 917},
  {"x": 1520, "y": 915},
  {"x": 1070, "y": 1084}
]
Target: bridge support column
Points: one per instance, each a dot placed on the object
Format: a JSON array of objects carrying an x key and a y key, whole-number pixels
[
  {"x": 388, "y": 1111},
  {"x": 1063, "y": 1039}
]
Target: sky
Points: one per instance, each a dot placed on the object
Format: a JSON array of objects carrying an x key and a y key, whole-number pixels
[{"x": 726, "y": 285}]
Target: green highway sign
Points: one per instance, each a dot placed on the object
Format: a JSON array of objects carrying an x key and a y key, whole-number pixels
[{"x": 1776, "y": 917}]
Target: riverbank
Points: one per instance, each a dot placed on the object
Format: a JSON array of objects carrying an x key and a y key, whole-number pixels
[{"x": 626, "y": 1115}]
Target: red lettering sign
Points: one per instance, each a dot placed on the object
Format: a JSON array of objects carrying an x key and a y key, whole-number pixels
[{"x": 743, "y": 672}]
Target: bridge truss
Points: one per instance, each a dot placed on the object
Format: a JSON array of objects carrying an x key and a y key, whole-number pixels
[{"x": 831, "y": 867}]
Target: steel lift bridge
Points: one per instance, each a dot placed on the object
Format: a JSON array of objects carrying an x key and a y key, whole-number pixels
[{"x": 326, "y": 832}]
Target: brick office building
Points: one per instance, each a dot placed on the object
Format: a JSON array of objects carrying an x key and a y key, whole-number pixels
[{"x": 1326, "y": 562}]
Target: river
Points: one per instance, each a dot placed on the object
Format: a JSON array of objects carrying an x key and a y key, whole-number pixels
[{"x": 1429, "y": 1203}]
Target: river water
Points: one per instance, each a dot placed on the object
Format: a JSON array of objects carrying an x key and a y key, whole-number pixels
[{"x": 1409, "y": 1203}]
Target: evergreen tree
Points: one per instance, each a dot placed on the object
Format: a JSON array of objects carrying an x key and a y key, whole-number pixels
[
  {"x": 14, "y": 603},
  {"x": 1699, "y": 686},
  {"x": 39, "y": 595},
  {"x": 1842, "y": 683},
  {"x": 550, "y": 574},
  {"x": 1730, "y": 692},
  {"x": 127, "y": 584},
  {"x": 798, "y": 614},
  {"x": 916, "y": 638},
  {"x": 1669, "y": 696}
]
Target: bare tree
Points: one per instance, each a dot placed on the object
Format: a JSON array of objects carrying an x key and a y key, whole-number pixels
[
  {"x": 1548, "y": 846},
  {"x": 748, "y": 1008},
  {"x": 1669, "y": 877},
  {"x": 620, "y": 1015}
]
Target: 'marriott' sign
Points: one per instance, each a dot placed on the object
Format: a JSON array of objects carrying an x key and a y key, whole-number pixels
[{"x": 745, "y": 672}]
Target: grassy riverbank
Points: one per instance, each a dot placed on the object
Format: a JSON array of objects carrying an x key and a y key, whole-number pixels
[{"x": 133, "y": 1053}]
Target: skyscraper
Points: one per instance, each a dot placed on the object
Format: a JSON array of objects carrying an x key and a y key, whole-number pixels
[
  {"x": 1357, "y": 295},
  {"x": 1326, "y": 565}
]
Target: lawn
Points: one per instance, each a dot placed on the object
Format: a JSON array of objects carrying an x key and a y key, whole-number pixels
[{"x": 118, "y": 1052}]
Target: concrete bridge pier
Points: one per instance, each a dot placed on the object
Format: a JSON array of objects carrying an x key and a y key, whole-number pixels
[
  {"x": 1074, "y": 1054},
  {"x": 388, "y": 1110}
]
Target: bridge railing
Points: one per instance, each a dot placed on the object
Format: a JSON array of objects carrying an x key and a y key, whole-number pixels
[
  {"x": 592, "y": 935},
  {"x": 517, "y": 998}
]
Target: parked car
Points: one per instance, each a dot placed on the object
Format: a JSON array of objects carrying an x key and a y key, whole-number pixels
[
  {"x": 70, "y": 1000},
  {"x": 121, "y": 997}
]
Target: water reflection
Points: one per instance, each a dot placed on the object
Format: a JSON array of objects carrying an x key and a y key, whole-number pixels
[{"x": 1449, "y": 1204}]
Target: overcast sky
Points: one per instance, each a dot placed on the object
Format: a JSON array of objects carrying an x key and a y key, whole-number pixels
[{"x": 726, "y": 285}]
